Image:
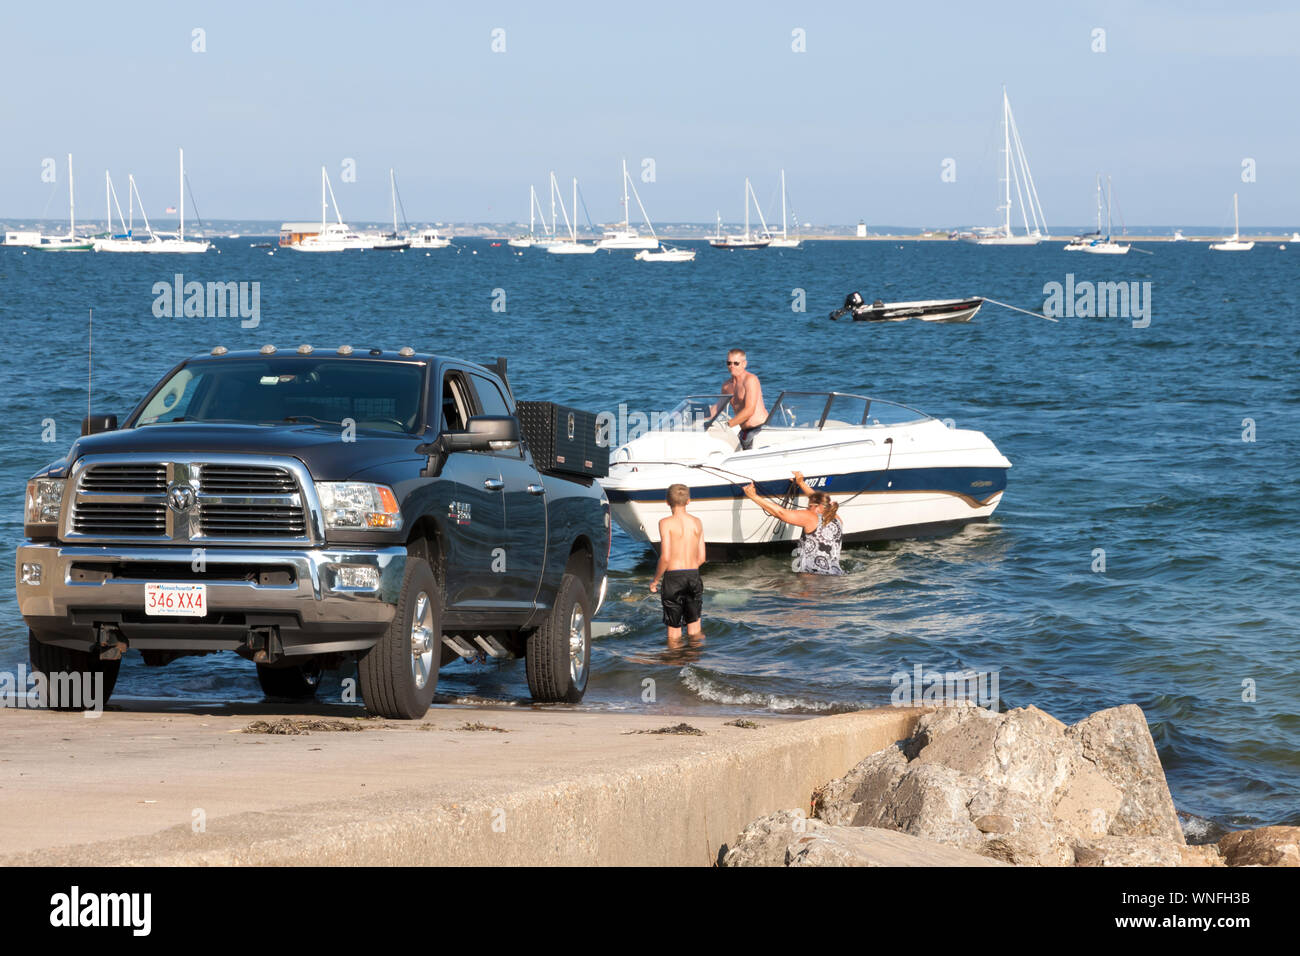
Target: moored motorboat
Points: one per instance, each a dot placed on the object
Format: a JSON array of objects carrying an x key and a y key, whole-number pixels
[
  {"x": 894, "y": 472},
  {"x": 665, "y": 254},
  {"x": 927, "y": 310}
]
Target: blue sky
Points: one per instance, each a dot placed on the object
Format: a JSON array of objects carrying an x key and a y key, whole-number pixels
[{"x": 862, "y": 121}]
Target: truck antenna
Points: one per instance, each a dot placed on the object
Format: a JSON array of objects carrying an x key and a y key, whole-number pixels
[{"x": 90, "y": 345}]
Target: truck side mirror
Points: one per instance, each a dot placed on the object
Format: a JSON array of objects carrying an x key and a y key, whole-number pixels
[
  {"x": 482, "y": 433},
  {"x": 93, "y": 424}
]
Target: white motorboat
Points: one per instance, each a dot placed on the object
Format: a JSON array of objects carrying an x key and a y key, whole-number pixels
[
  {"x": 665, "y": 254},
  {"x": 1178, "y": 236},
  {"x": 22, "y": 237},
  {"x": 747, "y": 239},
  {"x": 429, "y": 239},
  {"x": 625, "y": 237},
  {"x": 894, "y": 472},
  {"x": 1015, "y": 170},
  {"x": 333, "y": 236},
  {"x": 1233, "y": 243}
]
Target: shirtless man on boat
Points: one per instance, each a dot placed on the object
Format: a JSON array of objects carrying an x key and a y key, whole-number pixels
[{"x": 748, "y": 410}]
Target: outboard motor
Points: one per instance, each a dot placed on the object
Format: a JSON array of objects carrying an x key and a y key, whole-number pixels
[{"x": 852, "y": 301}]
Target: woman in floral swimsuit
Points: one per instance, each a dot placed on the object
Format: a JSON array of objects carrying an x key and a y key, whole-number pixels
[{"x": 819, "y": 547}]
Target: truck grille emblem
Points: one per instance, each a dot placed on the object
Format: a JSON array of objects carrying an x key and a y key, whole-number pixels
[{"x": 180, "y": 497}]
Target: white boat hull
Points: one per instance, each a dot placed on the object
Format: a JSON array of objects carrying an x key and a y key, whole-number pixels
[
  {"x": 930, "y": 478},
  {"x": 1232, "y": 245},
  {"x": 570, "y": 249}
]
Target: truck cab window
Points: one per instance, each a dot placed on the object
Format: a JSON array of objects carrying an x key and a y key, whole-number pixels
[{"x": 455, "y": 407}]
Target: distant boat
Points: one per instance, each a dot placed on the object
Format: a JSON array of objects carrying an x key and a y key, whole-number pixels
[
  {"x": 333, "y": 236},
  {"x": 784, "y": 241},
  {"x": 627, "y": 237},
  {"x": 1178, "y": 236},
  {"x": 1024, "y": 180},
  {"x": 927, "y": 310},
  {"x": 570, "y": 247},
  {"x": 1235, "y": 242},
  {"x": 392, "y": 241},
  {"x": 666, "y": 254},
  {"x": 530, "y": 240},
  {"x": 1295, "y": 237},
  {"x": 161, "y": 242},
  {"x": 747, "y": 240},
  {"x": 429, "y": 239},
  {"x": 71, "y": 242},
  {"x": 22, "y": 237},
  {"x": 1107, "y": 246}
]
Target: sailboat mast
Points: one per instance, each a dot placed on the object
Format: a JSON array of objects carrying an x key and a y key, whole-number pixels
[
  {"x": 108, "y": 209},
  {"x": 1006, "y": 149},
  {"x": 1236, "y": 221},
  {"x": 783, "y": 226},
  {"x": 532, "y": 211},
  {"x": 627, "y": 223},
  {"x": 1099, "y": 204},
  {"x": 181, "y": 207},
  {"x": 554, "y": 224},
  {"x": 575, "y": 209},
  {"x": 322, "y": 199},
  {"x": 746, "y": 207},
  {"x": 1108, "y": 226},
  {"x": 72, "y": 206}
]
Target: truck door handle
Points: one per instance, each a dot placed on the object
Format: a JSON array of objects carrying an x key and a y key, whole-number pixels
[
  {"x": 536, "y": 489},
  {"x": 493, "y": 484}
]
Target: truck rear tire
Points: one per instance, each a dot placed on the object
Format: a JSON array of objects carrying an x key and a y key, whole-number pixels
[
  {"x": 398, "y": 676},
  {"x": 49, "y": 660},
  {"x": 295, "y": 682},
  {"x": 558, "y": 656}
]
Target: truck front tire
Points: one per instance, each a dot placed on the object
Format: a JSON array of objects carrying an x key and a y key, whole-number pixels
[
  {"x": 58, "y": 664},
  {"x": 398, "y": 676},
  {"x": 558, "y": 656}
]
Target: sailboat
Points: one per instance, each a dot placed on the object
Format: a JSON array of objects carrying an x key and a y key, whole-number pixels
[
  {"x": 784, "y": 241},
  {"x": 1107, "y": 246},
  {"x": 571, "y": 246},
  {"x": 157, "y": 241},
  {"x": 125, "y": 240},
  {"x": 1234, "y": 243},
  {"x": 627, "y": 237},
  {"x": 70, "y": 242},
  {"x": 333, "y": 236},
  {"x": 1024, "y": 182},
  {"x": 530, "y": 240},
  {"x": 392, "y": 241},
  {"x": 747, "y": 240}
]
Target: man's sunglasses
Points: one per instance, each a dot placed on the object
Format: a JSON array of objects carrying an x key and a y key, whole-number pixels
[{"x": 729, "y": 362}]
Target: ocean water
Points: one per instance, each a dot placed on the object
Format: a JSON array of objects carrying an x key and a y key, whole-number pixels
[{"x": 1124, "y": 439}]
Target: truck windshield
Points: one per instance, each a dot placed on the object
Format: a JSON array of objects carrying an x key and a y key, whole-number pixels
[{"x": 373, "y": 394}]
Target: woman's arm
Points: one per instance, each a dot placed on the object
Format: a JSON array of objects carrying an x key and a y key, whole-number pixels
[
  {"x": 800, "y": 519},
  {"x": 803, "y": 485}
]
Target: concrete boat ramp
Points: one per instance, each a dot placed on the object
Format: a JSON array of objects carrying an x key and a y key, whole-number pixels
[{"x": 147, "y": 783}]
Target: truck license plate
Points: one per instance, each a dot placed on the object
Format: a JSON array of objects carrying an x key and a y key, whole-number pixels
[{"x": 176, "y": 600}]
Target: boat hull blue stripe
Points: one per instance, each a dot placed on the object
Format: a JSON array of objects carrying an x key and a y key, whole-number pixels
[{"x": 976, "y": 483}]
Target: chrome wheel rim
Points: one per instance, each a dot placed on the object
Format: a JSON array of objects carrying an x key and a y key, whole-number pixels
[
  {"x": 578, "y": 647},
  {"x": 422, "y": 640}
]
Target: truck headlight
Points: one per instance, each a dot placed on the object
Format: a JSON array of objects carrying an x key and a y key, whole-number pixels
[
  {"x": 358, "y": 505},
  {"x": 44, "y": 499}
]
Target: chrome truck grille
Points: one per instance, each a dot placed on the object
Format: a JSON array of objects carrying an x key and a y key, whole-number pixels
[{"x": 213, "y": 499}]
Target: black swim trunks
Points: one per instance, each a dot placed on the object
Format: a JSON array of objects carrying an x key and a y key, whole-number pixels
[
  {"x": 746, "y": 437},
  {"x": 683, "y": 596}
]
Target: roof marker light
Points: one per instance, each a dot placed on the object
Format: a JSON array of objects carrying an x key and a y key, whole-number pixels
[
  {"x": 220, "y": 350},
  {"x": 345, "y": 350},
  {"x": 267, "y": 350},
  {"x": 406, "y": 350},
  {"x": 304, "y": 349}
]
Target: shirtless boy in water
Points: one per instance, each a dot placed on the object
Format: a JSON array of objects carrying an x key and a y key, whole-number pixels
[{"x": 681, "y": 552}]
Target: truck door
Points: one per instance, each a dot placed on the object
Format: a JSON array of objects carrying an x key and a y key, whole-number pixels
[
  {"x": 472, "y": 506},
  {"x": 521, "y": 562}
]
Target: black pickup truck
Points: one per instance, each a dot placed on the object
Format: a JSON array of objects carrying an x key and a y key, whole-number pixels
[{"x": 307, "y": 507}]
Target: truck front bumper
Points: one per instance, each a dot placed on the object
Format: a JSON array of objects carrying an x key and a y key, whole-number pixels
[{"x": 67, "y": 593}]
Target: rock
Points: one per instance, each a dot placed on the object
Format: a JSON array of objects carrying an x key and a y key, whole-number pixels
[
  {"x": 1020, "y": 787},
  {"x": 763, "y": 842},
  {"x": 1023, "y": 750},
  {"x": 1027, "y": 835},
  {"x": 841, "y": 802},
  {"x": 1141, "y": 851},
  {"x": 873, "y": 846},
  {"x": 1266, "y": 846},
  {"x": 1118, "y": 742}
]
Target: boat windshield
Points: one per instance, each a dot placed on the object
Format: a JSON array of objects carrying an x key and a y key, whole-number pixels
[
  {"x": 818, "y": 410},
  {"x": 694, "y": 413}
]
